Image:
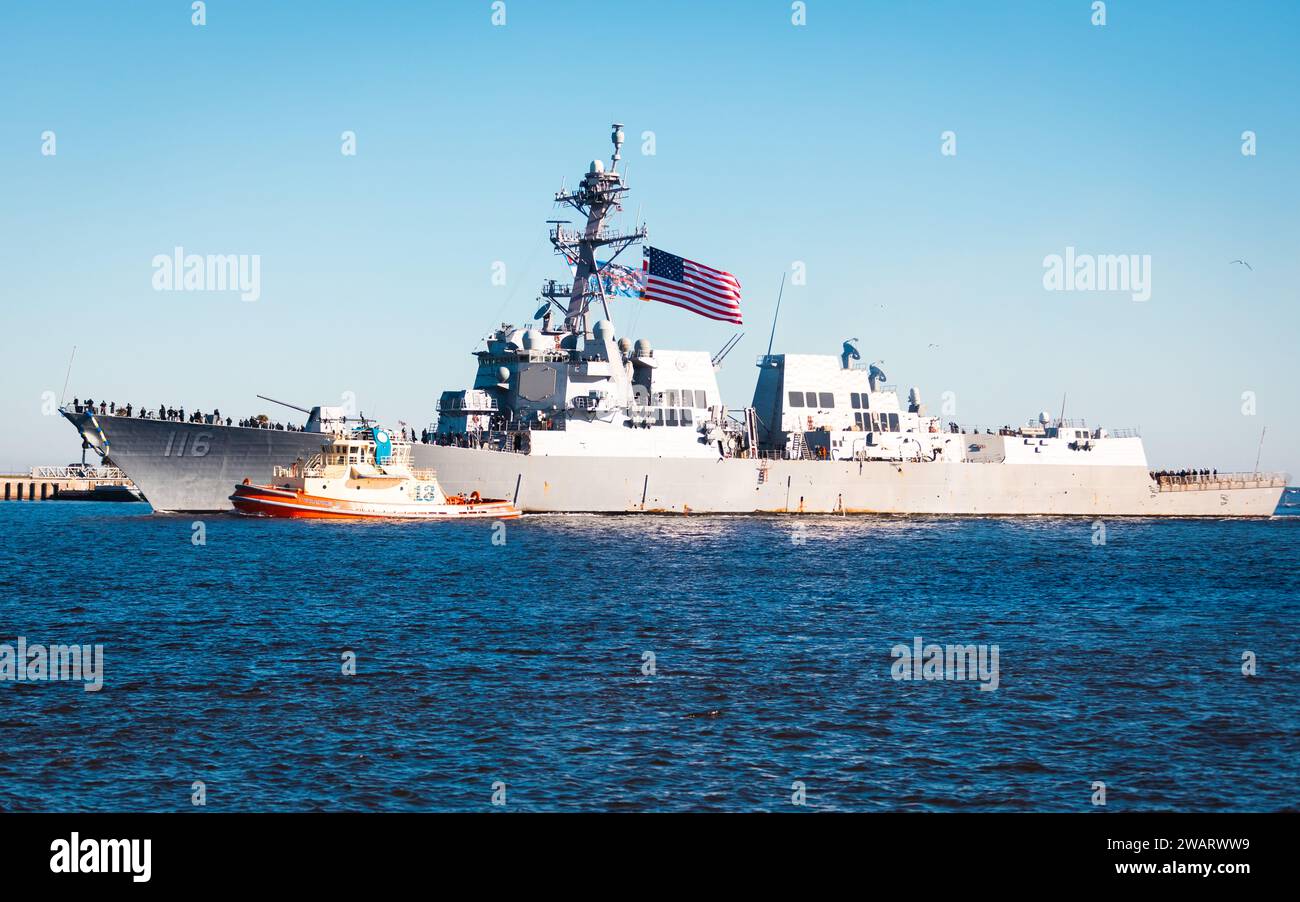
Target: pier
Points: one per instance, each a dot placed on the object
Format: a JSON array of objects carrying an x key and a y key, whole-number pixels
[{"x": 51, "y": 483}]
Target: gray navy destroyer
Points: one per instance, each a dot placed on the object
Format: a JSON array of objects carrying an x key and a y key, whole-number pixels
[{"x": 564, "y": 415}]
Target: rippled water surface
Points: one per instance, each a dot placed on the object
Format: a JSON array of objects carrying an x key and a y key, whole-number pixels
[{"x": 771, "y": 640}]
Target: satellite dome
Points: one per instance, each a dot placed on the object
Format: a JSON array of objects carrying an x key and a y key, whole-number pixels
[
  {"x": 624, "y": 344},
  {"x": 642, "y": 347},
  {"x": 532, "y": 340},
  {"x": 597, "y": 166},
  {"x": 603, "y": 330},
  {"x": 503, "y": 374}
]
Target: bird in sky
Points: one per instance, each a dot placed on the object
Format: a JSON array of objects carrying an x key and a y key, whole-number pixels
[{"x": 1243, "y": 263}]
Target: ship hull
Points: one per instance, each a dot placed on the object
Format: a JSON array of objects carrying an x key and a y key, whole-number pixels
[
  {"x": 184, "y": 467},
  {"x": 734, "y": 485}
]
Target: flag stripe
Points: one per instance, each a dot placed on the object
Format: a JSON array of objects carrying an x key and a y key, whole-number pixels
[
  {"x": 701, "y": 289},
  {"x": 722, "y": 319},
  {"x": 692, "y": 270},
  {"x": 701, "y": 278},
  {"x": 655, "y": 294},
  {"x": 711, "y": 291},
  {"x": 688, "y": 291},
  {"x": 720, "y": 272},
  {"x": 696, "y": 308},
  {"x": 695, "y": 303}
]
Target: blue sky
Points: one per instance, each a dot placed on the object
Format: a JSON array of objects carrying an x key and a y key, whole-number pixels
[{"x": 774, "y": 143}]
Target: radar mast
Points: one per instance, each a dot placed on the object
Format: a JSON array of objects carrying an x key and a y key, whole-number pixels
[{"x": 599, "y": 193}]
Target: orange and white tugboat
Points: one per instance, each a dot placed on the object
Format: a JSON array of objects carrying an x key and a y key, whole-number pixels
[{"x": 364, "y": 474}]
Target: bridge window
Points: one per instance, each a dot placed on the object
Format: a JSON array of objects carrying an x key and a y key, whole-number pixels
[
  {"x": 857, "y": 417},
  {"x": 810, "y": 399},
  {"x": 659, "y": 416},
  {"x": 855, "y": 400},
  {"x": 701, "y": 398},
  {"x": 672, "y": 416},
  {"x": 670, "y": 399},
  {"x": 827, "y": 400},
  {"x": 796, "y": 399},
  {"x": 686, "y": 417},
  {"x": 893, "y": 422}
]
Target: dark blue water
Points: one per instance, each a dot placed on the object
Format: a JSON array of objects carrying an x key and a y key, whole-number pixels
[{"x": 523, "y": 663}]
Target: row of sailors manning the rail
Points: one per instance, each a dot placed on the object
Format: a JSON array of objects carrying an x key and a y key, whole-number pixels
[
  {"x": 178, "y": 415},
  {"x": 1169, "y": 477}
]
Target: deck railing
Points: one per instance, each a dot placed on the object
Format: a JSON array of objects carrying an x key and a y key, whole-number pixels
[
  {"x": 1018, "y": 431},
  {"x": 100, "y": 474},
  {"x": 1213, "y": 481}
]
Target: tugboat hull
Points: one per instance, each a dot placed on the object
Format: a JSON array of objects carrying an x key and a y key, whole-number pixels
[{"x": 269, "y": 501}]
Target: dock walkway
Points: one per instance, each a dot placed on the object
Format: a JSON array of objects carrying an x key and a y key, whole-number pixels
[{"x": 47, "y": 483}]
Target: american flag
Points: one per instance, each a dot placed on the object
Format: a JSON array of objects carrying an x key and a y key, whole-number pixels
[{"x": 692, "y": 286}]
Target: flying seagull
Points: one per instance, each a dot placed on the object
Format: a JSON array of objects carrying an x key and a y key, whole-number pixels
[{"x": 1243, "y": 263}]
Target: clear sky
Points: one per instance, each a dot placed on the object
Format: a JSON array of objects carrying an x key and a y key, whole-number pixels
[{"x": 774, "y": 143}]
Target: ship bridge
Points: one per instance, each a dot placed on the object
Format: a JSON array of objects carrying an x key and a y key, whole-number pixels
[{"x": 552, "y": 391}]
